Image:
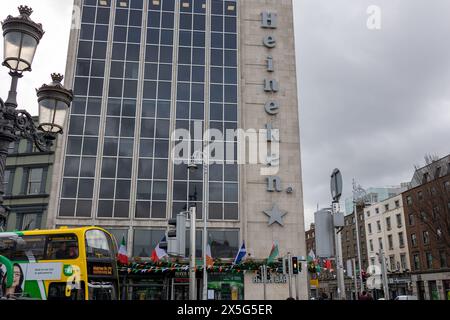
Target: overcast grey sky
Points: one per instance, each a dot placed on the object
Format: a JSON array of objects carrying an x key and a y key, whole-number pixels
[{"x": 372, "y": 102}]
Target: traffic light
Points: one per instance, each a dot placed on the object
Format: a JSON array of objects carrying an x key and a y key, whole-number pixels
[
  {"x": 294, "y": 265},
  {"x": 176, "y": 236}
]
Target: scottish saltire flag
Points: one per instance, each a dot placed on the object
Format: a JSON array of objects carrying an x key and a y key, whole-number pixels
[{"x": 241, "y": 254}]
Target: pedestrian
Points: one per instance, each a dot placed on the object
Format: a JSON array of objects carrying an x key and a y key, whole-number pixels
[{"x": 365, "y": 296}]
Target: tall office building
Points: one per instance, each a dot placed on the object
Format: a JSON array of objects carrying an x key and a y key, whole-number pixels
[{"x": 143, "y": 69}]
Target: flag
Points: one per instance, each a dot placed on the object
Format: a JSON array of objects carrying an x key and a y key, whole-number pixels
[
  {"x": 273, "y": 253},
  {"x": 123, "y": 255},
  {"x": 159, "y": 253},
  {"x": 209, "y": 258},
  {"x": 240, "y": 255},
  {"x": 311, "y": 256}
]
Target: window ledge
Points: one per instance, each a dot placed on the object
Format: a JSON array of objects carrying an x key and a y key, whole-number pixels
[{"x": 25, "y": 196}]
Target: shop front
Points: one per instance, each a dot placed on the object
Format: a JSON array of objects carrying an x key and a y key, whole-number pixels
[{"x": 225, "y": 286}]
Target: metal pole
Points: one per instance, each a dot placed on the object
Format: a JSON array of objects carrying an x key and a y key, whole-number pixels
[
  {"x": 297, "y": 296},
  {"x": 355, "y": 278},
  {"x": 384, "y": 275},
  {"x": 358, "y": 248},
  {"x": 290, "y": 274},
  {"x": 192, "y": 277},
  {"x": 205, "y": 221},
  {"x": 12, "y": 95},
  {"x": 339, "y": 263},
  {"x": 264, "y": 279}
]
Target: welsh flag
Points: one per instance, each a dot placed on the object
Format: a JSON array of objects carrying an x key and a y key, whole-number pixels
[
  {"x": 273, "y": 253},
  {"x": 123, "y": 255},
  {"x": 159, "y": 253}
]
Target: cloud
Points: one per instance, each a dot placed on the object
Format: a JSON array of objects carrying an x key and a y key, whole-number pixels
[{"x": 371, "y": 102}]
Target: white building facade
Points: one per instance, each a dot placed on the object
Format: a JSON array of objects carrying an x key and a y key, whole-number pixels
[{"x": 386, "y": 232}]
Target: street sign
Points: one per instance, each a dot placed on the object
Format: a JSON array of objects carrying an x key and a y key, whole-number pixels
[{"x": 336, "y": 185}]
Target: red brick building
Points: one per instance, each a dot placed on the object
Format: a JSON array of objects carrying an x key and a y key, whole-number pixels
[{"x": 427, "y": 216}]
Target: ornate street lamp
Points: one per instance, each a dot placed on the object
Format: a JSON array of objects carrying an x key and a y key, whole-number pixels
[{"x": 21, "y": 38}]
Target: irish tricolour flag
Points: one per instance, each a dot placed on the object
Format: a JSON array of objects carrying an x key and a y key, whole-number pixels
[
  {"x": 123, "y": 255},
  {"x": 159, "y": 253}
]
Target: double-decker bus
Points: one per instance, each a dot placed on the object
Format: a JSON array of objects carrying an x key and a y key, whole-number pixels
[{"x": 62, "y": 264}]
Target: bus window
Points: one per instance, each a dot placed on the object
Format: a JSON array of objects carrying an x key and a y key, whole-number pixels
[
  {"x": 23, "y": 248},
  {"x": 98, "y": 245},
  {"x": 105, "y": 291},
  {"x": 62, "y": 247},
  {"x": 57, "y": 291}
]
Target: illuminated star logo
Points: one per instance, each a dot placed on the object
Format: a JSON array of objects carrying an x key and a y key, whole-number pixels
[{"x": 275, "y": 215}]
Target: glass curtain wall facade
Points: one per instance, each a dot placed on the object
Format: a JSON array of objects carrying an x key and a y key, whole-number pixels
[{"x": 144, "y": 68}]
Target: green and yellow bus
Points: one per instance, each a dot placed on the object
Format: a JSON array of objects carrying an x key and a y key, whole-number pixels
[{"x": 62, "y": 264}]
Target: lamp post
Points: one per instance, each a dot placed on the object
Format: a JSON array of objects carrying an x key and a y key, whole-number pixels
[
  {"x": 21, "y": 38},
  {"x": 193, "y": 166},
  {"x": 359, "y": 194}
]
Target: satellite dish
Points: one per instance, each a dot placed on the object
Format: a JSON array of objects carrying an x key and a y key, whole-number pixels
[{"x": 336, "y": 185}]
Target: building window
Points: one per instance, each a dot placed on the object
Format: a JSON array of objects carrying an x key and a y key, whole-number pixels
[
  {"x": 369, "y": 227},
  {"x": 388, "y": 224},
  {"x": 416, "y": 259},
  {"x": 13, "y": 147},
  {"x": 409, "y": 200},
  {"x": 354, "y": 234},
  {"x": 399, "y": 220},
  {"x": 380, "y": 243},
  {"x": 397, "y": 203},
  {"x": 31, "y": 147},
  {"x": 368, "y": 214},
  {"x": 413, "y": 240},
  {"x": 425, "y": 178},
  {"x": 379, "y": 226},
  {"x": 35, "y": 181},
  {"x": 392, "y": 263},
  {"x": 420, "y": 195},
  {"x": 443, "y": 259},
  {"x": 386, "y": 207},
  {"x": 403, "y": 261},
  {"x": 423, "y": 216},
  {"x": 390, "y": 242},
  {"x": 377, "y": 210},
  {"x": 426, "y": 237},
  {"x": 118, "y": 235},
  {"x": 433, "y": 191},
  {"x": 224, "y": 244},
  {"x": 145, "y": 241},
  {"x": 411, "y": 219},
  {"x": 435, "y": 213},
  {"x": 447, "y": 186},
  {"x": 401, "y": 240},
  {"x": 28, "y": 221},
  {"x": 8, "y": 181},
  {"x": 429, "y": 260},
  {"x": 371, "y": 245}
]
